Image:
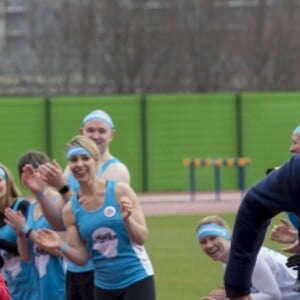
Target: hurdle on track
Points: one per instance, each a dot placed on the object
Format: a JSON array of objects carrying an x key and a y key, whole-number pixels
[{"x": 241, "y": 163}]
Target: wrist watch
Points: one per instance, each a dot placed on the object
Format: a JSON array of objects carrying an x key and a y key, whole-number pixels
[{"x": 63, "y": 190}]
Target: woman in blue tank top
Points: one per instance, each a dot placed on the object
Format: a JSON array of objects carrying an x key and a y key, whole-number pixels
[
  {"x": 19, "y": 275},
  {"x": 105, "y": 221},
  {"x": 99, "y": 127},
  {"x": 50, "y": 267}
]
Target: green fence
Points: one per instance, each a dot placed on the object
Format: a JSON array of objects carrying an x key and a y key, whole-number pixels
[{"x": 156, "y": 132}]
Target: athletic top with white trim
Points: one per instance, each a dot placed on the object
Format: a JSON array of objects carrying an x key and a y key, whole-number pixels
[
  {"x": 277, "y": 192},
  {"x": 50, "y": 268},
  {"x": 18, "y": 274},
  {"x": 73, "y": 183},
  {"x": 271, "y": 278},
  {"x": 118, "y": 262}
]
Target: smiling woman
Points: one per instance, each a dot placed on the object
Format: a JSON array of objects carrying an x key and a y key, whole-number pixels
[
  {"x": 104, "y": 218},
  {"x": 271, "y": 277},
  {"x": 17, "y": 274}
]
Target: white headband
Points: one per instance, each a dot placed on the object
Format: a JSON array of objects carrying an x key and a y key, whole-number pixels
[
  {"x": 77, "y": 150},
  {"x": 98, "y": 115},
  {"x": 213, "y": 229},
  {"x": 2, "y": 173}
]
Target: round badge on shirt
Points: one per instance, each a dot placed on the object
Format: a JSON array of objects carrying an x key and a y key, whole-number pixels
[{"x": 109, "y": 211}]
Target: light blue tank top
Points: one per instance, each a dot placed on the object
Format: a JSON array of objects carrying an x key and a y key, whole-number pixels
[
  {"x": 118, "y": 262},
  {"x": 72, "y": 182},
  {"x": 50, "y": 268},
  {"x": 18, "y": 274}
]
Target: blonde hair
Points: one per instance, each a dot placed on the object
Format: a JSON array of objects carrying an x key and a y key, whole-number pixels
[
  {"x": 213, "y": 220},
  {"x": 12, "y": 190},
  {"x": 86, "y": 143}
]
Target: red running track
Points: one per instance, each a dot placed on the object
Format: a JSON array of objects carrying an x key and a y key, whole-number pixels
[{"x": 182, "y": 204}]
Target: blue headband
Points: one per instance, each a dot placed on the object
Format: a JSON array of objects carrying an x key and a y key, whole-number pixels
[
  {"x": 297, "y": 129},
  {"x": 77, "y": 150},
  {"x": 3, "y": 174},
  {"x": 213, "y": 229},
  {"x": 98, "y": 115}
]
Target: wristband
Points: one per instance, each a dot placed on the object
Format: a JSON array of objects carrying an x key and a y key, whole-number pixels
[
  {"x": 63, "y": 190},
  {"x": 41, "y": 195},
  {"x": 64, "y": 247},
  {"x": 26, "y": 229}
]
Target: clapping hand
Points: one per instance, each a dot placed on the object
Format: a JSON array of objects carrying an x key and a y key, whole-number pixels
[
  {"x": 126, "y": 207},
  {"x": 52, "y": 173},
  {"x": 49, "y": 239},
  {"x": 284, "y": 232},
  {"x": 218, "y": 294},
  {"x": 15, "y": 219}
]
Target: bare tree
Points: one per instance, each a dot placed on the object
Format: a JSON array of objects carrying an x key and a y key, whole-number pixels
[{"x": 143, "y": 46}]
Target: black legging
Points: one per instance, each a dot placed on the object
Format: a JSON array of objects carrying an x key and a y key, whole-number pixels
[
  {"x": 140, "y": 290},
  {"x": 80, "y": 285}
]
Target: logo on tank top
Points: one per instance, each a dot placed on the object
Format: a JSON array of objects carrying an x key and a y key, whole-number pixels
[
  {"x": 109, "y": 211},
  {"x": 105, "y": 241},
  {"x": 41, "y": 260}
]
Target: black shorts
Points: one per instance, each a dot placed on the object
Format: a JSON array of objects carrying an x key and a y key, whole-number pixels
[
  {"x": 140, "y": 290},
  {"x": 80, "y": 286}
]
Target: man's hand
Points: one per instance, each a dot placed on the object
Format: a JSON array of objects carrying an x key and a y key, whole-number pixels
[
  {"x": 218, "y": 294},
  {"x": 293, "y": 248},
  {"x": 284, "y": 232}
]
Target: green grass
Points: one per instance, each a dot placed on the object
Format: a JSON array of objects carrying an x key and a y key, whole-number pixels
[{"x": 182, "y": 271}]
